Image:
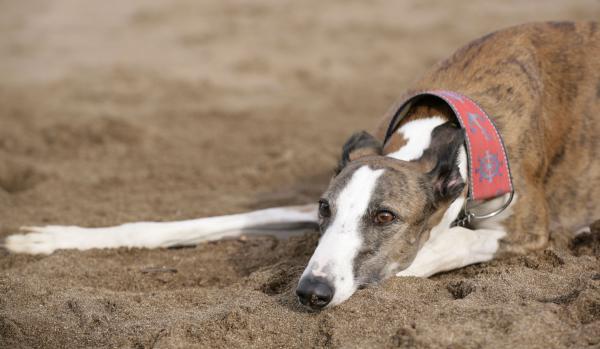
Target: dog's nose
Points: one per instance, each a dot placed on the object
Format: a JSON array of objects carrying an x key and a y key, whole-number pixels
[{"x": 314, "y": 293}]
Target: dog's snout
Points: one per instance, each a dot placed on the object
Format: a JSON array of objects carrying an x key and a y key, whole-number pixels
[{"x": 314, "y": 293}]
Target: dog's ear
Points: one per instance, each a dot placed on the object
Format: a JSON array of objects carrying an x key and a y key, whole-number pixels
[
  {"x": 442, "y": 155},
  {"x": 357, "y": 146}
]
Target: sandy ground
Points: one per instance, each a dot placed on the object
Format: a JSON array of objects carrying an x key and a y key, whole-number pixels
[{"x": 116, "y": 111}]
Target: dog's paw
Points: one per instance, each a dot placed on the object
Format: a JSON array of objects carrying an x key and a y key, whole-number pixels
[{"x": 39, "y": 240}]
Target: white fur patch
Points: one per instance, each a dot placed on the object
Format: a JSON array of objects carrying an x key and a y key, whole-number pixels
[
  {"x": 452, "y": 249},
  {"x": 583, "y": 230},
  {"x": 463, "y": 166},
  {"x": 342, "y": 240},
  {"x": 418, "y": 136}
]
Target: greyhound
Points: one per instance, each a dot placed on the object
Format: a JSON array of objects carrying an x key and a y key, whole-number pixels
[{"x": 398, "y": 201}]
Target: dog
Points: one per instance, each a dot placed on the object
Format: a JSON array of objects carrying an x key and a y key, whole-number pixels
[{"x": 395, "y": 204}]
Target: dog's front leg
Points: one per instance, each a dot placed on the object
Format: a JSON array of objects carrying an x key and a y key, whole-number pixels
[
  {"x": 454, "y": 248},
  {"x": 272, "y": 221}
]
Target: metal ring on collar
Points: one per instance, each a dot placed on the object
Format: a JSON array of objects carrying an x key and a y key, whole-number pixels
[{"x": 472, "y": 216}]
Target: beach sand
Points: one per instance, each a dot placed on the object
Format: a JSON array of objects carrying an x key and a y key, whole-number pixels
[{"x": 113, "y": 111}]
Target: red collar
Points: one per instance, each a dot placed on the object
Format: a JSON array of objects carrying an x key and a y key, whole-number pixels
[{"x": 489, "y": 172}]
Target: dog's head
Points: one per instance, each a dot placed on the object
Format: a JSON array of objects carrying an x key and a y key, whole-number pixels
[{"x": 377, "y": 212}]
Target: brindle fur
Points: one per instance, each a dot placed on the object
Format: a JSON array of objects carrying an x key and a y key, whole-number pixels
[{"x": 540, "y": 83}]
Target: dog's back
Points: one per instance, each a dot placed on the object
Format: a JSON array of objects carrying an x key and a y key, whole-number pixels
[{"x": 541, "y": 85}]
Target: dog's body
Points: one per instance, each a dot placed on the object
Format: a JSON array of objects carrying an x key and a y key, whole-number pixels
[
  {"x": 389, "y": 210},
  {"x": 541, "y": 85}
]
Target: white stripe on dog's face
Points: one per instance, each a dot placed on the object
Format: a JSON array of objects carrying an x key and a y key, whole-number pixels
[{"x": 341, "y": 242}]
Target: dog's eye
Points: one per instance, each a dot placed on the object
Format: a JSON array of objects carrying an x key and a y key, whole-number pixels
[
  {"x": 383, "y": 217},
  {"x": 324, "y": 210}
]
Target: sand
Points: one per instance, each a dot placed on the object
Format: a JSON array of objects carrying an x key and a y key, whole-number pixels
[{"x": 123, "y": 111}]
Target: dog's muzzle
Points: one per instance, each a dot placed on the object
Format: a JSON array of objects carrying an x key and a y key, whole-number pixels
[{"x": 314, "y": 292}]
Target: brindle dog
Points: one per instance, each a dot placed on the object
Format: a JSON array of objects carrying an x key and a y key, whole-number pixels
[
  {"x": 541, "y": 85},
  {"x": 390, "y": 209}
]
